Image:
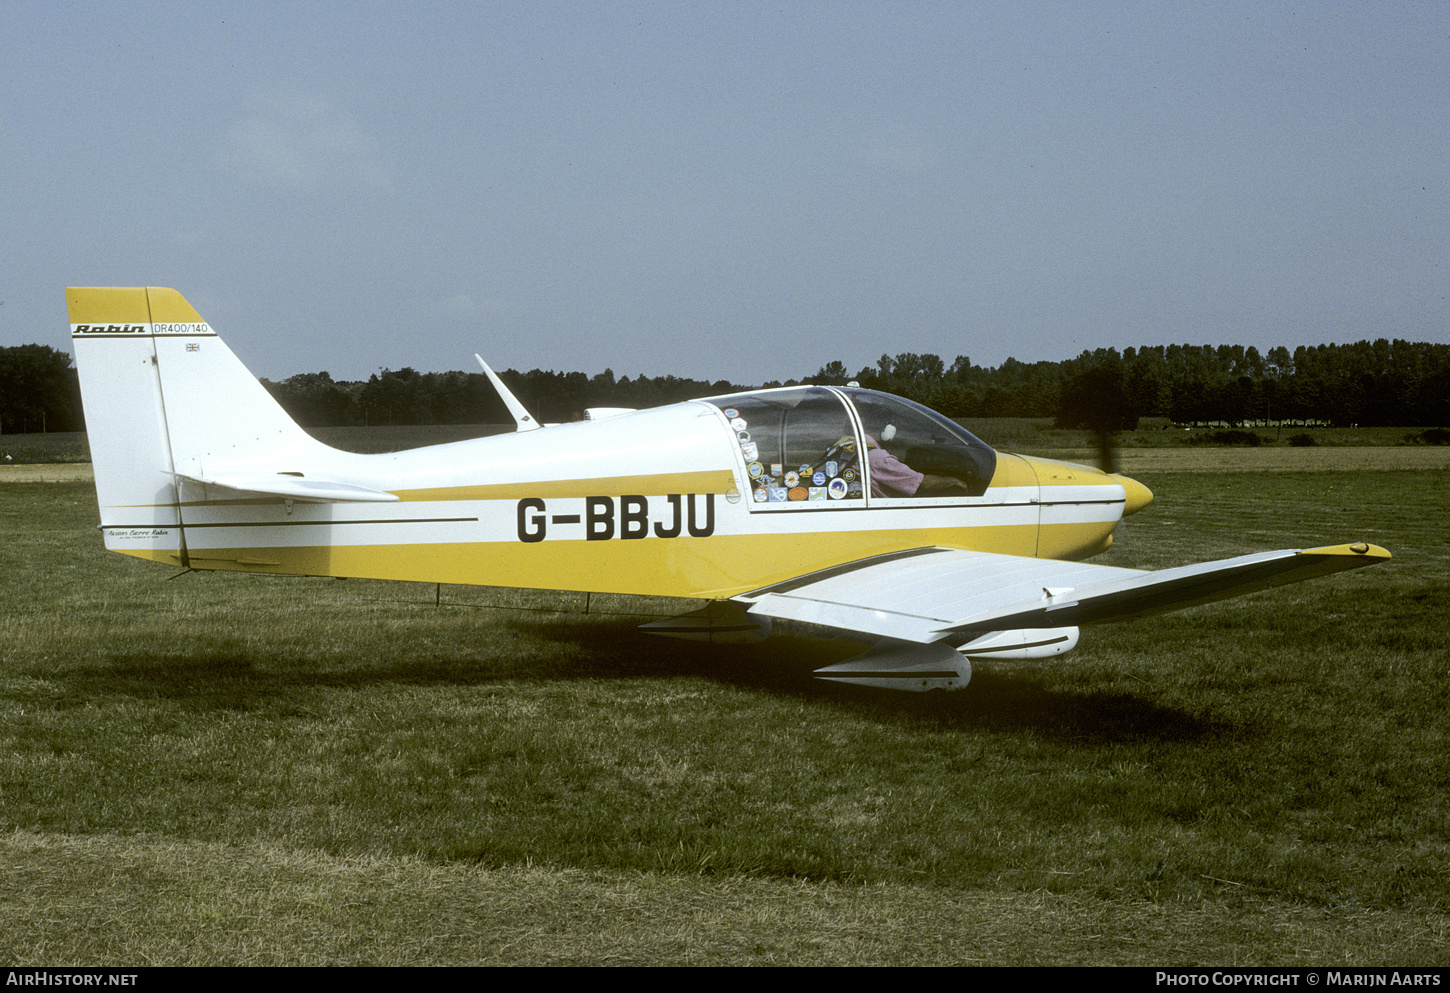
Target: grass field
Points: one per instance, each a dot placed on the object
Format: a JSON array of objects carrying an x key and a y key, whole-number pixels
[{"x": 220, "y": 769}]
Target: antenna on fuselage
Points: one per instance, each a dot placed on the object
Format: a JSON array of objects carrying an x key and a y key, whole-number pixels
[{"x": 523, "y": 420}]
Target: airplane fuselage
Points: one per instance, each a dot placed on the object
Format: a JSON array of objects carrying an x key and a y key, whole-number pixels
[{"x": 552, "y": 509}]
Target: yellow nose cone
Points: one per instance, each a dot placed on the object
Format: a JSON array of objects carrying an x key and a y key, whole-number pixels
[{"x": 1138, "y": 495}]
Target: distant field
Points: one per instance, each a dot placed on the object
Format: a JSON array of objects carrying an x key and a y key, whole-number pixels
[
  {"x": 57, "y": 446},
  {"x": 219, "y": 768},
  {"x": 1233, "y": 459},
  {"x": 1028, "y": 435}
]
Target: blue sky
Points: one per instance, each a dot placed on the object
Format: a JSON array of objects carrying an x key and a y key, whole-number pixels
[{"x": 731, "y": 191}]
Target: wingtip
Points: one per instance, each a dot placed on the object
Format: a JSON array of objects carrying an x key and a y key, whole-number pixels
[{"x": 1358, "y": 549}]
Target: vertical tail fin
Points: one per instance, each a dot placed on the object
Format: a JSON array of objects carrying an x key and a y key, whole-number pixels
[{"x": 165, "y": 398}]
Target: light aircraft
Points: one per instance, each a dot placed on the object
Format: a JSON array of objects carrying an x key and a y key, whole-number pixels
[{"x": 933, "y": 547}]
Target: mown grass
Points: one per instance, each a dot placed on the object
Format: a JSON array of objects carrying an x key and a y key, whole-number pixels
[
  {"x": 56, "y": 446},
  {"x": 1196, "y": 786}
]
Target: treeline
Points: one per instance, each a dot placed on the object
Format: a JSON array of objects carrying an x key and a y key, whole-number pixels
[
  {"x": 1368, "y": 383},
  {"x": 38, "y": 391},
  {"x": 1385, "y": 383},
  {"x": 406, "y": 396}
]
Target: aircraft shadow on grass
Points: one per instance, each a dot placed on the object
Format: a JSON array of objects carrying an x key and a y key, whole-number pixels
[{"x": 1008, "y": 697}]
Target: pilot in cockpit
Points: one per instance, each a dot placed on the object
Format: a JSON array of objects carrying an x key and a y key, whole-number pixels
[{"x": 890, "y": 477}]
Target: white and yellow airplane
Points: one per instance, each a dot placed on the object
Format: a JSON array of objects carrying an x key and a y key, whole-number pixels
[{"x": 934, "y": 547}]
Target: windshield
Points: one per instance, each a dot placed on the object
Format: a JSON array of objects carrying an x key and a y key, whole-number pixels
[{"x": 950, "y": 458}]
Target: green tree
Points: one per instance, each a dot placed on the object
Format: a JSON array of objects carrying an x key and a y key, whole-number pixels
[{"x": 37, "y": 390}]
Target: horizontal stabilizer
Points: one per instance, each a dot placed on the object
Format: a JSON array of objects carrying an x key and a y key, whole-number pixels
[{"x": 290, "y": 487}]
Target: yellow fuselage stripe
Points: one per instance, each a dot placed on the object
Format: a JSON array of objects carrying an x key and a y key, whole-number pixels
[{"x": 718, "y": 566}]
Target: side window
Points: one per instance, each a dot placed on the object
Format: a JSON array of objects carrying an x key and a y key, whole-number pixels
[
  {"x": 797, "y": 445},
  {"x": 915, "y": 452}
]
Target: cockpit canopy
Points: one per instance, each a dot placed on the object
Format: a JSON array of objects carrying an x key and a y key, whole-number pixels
[{"x": 805, "y": 444}]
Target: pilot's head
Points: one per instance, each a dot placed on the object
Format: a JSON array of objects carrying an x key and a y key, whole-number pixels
[{"x": 847, "y": 444}]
